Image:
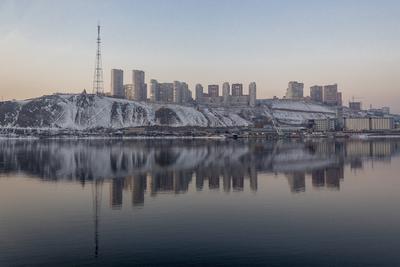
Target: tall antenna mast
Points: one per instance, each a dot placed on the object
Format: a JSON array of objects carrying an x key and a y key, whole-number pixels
[{"x": 98, "y": 70}]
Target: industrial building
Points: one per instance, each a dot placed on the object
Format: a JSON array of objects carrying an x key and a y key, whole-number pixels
[
  {"x": 382, "y": 123},
  {"x": 368, "y": 124}
]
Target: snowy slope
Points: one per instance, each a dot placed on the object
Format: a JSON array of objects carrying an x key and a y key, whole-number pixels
[{"x": 85, "y": 111}]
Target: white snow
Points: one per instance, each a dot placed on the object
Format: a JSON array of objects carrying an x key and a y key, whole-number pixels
[{"x": 81, "y": 111}]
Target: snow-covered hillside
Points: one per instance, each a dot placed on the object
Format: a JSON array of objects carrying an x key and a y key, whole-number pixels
[{"x": 85, "y": 111}]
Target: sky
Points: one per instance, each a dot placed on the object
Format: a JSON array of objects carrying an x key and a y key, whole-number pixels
[{"x": 49, "y": 46}]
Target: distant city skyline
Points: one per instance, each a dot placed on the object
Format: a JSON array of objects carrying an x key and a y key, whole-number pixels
[{"x": 49, "y": 46}]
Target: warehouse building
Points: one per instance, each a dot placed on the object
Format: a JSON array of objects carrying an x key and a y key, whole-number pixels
[{"x": 368, "y": 124}]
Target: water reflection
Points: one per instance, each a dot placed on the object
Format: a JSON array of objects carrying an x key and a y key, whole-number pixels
[
  {"x": 170, "y": 166},
  {"x": 131, "y": 171}
]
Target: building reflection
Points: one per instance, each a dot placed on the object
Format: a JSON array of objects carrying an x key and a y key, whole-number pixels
[
  {"x": 318, "y": 178},
  {"x": 297, "y": 181},
  {"x": 138, "y": 169},
  {"x": 117, "y": 185}
]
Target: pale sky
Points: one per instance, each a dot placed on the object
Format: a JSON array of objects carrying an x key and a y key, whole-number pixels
[{"x": 49, "y": 46}]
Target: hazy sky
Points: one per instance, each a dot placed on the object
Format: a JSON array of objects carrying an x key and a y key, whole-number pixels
[{"x": 49, "y": 46}]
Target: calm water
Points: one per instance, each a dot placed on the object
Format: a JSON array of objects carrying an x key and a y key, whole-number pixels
[{"x": 222, "y": 203}]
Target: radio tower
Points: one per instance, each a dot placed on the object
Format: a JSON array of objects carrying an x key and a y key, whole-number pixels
[{"x": 98, "y": 70}]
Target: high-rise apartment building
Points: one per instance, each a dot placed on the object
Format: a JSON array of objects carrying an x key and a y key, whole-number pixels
[
  {"x": 213, "y": 90},
  {"x": 178, "y": 92},
  {"x": 295, "y": 90},
  {"x": 166, "y": 92},
  {"x": 117, "y": 83},
  {"x": 252, "y": 94},
  {"x": 237, "y": 89},
  {"x": 226, "y": 92},
  {"x": 316, "y": 93},
  {"x": 199, "y": 92},
  {"x": 182, "y": 94},
  {"x": 331, "y": 94},
  {"x": 339, "y": 99},
  {"x": 154, "y": 91},
  {"x": 161, "y": 92},
  {"x": 128, "y": 90},
  {"x": 139, "y": 86}
]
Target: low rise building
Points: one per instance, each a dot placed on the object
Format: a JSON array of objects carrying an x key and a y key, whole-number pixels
[{"x": 324, "y": 125}]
